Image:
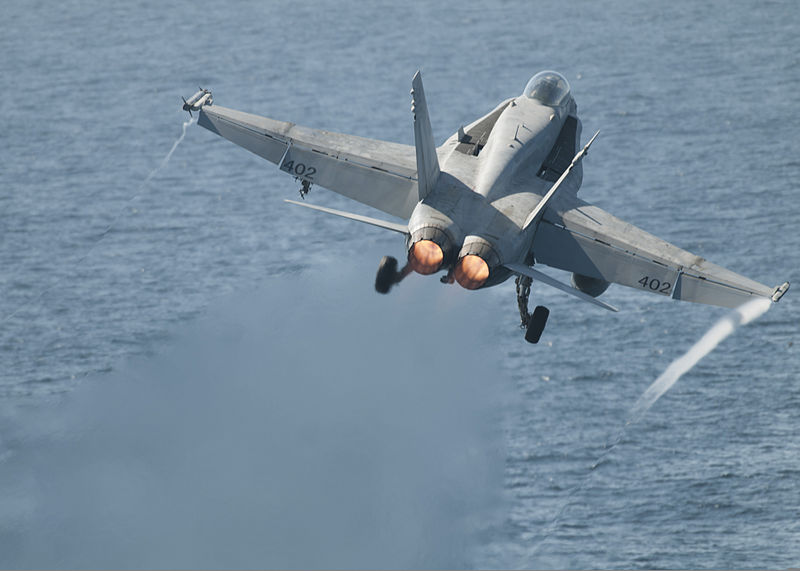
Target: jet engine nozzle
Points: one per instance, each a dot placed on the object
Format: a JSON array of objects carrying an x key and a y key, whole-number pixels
[
  {"x": 431, "y": 248},
  {"x": 476, "y": 262},
  {"x": 471, "y": 271},
  {"x": 425, "y": 257}
]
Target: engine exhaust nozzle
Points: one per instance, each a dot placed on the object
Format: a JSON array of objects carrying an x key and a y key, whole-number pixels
[
  {"x": 425, "y": 257},
  {"x": 471, "y": 271}
]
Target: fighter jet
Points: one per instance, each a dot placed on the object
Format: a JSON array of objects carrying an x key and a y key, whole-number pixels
[{"x": 499, "y": 197}]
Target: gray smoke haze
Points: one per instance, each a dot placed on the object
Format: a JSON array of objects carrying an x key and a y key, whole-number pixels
[{"x": 312, "y": 424}]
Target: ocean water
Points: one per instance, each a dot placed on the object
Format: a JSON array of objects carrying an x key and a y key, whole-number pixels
[{"x": 194, "y": 374}]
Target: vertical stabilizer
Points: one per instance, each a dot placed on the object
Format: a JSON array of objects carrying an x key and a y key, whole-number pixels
[{"x": 427, "y": 161}]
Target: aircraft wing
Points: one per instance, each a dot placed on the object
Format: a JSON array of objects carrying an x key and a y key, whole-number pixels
[
  {"x": 376, "y": 173},
  {"x": 581, "y": 238}
]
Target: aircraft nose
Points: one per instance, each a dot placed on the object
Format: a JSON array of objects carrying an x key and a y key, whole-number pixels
[{"x": 471, "y": 271}]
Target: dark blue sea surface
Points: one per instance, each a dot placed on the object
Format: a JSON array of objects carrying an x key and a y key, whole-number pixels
[{"x": 194, "y": 374}]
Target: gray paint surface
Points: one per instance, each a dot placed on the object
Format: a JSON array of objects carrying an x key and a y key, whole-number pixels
[{"x": 488, "y": 199}]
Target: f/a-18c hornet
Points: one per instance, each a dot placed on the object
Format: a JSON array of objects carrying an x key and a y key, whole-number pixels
[{"x": 497, "y": 198}]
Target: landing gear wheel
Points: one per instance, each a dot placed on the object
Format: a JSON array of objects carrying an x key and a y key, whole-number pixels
[
  {"x": 536, "y": 324},
  {"x": 387, "y": 274}
]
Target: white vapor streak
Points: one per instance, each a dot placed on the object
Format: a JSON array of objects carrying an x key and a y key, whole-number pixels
[{"x": 742, "y": 315}]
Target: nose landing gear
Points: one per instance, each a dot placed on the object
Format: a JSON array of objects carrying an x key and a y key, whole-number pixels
[{"x": 533, "y": 323}]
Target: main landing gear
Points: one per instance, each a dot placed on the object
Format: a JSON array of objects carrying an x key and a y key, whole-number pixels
[
  {"x": 388, "y": 275},
  {"x": 532, "y": 323}
]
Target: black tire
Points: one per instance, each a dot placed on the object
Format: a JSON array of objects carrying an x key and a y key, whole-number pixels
[
  {"x": 536, "y": 324},
  {"x": 386, "y": 276}
]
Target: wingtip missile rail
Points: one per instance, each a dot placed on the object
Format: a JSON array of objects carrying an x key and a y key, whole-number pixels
[
  {"x": 198, "y": 100},
  {"x": 777, "y": 294}
]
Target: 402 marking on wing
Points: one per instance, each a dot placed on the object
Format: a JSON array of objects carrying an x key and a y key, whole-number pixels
[
  {"x": 654, "y": 284},
  {"x": 299, "y": 169}
]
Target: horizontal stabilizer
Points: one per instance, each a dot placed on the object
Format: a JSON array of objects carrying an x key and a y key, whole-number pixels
[
  {"x": 393, "y": 226},
  {"x": 538, "y": 276}
]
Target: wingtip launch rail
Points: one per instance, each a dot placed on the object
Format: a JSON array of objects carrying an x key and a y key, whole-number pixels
[
  {"x": 197, "y": 101},
  {"x": 780, "y": 291}
]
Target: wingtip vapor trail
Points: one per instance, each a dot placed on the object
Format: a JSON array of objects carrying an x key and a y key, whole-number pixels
[{"x": 742, "y": 315}]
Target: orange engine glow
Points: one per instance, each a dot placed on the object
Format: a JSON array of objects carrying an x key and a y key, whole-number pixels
[
  {"x": 425, "y": 257},
  {"x": 471, "y": 272}
]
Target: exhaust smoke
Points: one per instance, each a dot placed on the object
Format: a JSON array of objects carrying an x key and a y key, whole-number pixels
[{"x": 287, "y": 429}]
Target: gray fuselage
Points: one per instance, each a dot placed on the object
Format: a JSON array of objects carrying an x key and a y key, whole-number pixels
[{"x": 493, "y": 174}]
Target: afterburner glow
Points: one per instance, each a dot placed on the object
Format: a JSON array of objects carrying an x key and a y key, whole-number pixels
[
  {"x": 471, "y": 271},
  {"x": 425, "y": 257}
]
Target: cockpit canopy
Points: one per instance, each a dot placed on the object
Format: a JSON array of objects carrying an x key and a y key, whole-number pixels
[{"x": 548, "y": 88}]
